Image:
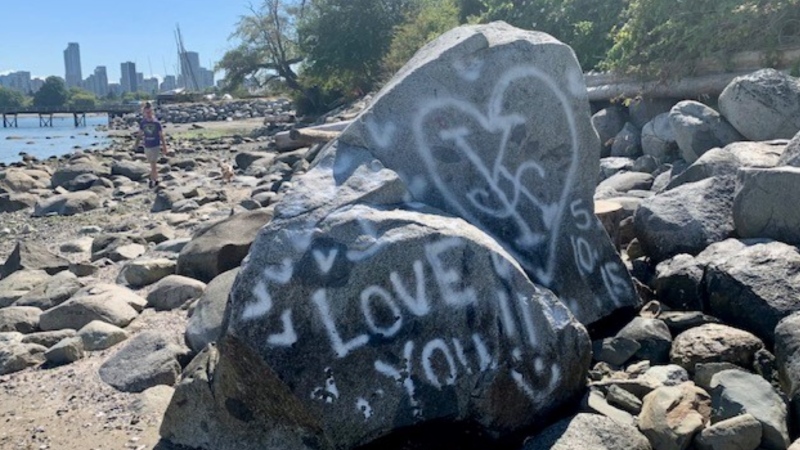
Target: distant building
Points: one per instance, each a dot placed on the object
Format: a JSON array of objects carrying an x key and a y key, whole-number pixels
[
  {"x": 115, "y": 89},
  {"x": 128, "y": 78},
  {"x": 206, "y": 79},
  {"x": 169, "y": 83},
  {"x": 149, "y": 85},
  {"x": 101, "y": 81},
  {"x": 190, "y": 70},
  {"x": 90, "y": 84},
  {"x": 139, "y": 80},
  {"x": 36, "y": 84},
  {"x": 72, "y": 65},
  {"x": 20, "y": 81}
]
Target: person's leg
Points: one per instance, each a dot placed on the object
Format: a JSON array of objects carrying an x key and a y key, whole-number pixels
[
  {"x": 153, "y": 172},
  {"x": 152, "y": 158}
]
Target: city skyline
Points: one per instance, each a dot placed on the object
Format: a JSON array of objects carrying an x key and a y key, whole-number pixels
[
  {"x": 108, "y": 37},
  {"x": 191, "y": 75}
]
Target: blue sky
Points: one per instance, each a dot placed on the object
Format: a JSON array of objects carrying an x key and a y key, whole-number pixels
[{"x": 34, "y": 33}]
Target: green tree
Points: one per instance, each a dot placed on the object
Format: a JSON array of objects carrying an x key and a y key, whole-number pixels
[
  {"x": 81, "y": 99},
  {"x": 53, "y": 93},
  {"x": 586, "y": 25},
  {"x": 11, "y": 98},
  {"x": 345, "y": 41},
  {"x": 268, "y": 47},
  {"x": 430, "y": 19},
  {"x": 469, "y": 8}
]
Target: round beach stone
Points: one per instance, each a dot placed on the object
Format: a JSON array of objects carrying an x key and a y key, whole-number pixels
[{"x": 714, "y": 343}]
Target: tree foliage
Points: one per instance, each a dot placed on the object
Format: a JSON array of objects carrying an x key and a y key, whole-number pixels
[
  {"x": 79, "y": 98},
  {"x": 666, "y": 37},
  {"x": 430, "y": 19},
  {"x": 327, "y": 50},
  {"x": 345, "y": 41},
  {"x": 585, "y": 25},
  {"x": 268, "y": 47},
  {"x": 53, "y": 93},
  {"x": 11, "y": 98}
]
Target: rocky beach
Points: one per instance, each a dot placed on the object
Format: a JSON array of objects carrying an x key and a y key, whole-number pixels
[{"x": 477, "y": 262}]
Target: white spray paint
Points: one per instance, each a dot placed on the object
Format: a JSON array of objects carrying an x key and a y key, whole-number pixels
[
  {"x": 325, "y": 261},
  {"x": 418, "y": 304},
  {"x": 447, "y": 278},
  {"x": 340, "y": 347},
  {"x": 496, "y": 121}
]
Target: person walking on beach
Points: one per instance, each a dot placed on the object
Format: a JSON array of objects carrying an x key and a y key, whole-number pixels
[{"x": 151, "y": 132}]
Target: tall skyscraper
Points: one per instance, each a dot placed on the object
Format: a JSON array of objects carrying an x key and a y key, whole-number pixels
[
  {"x": 101, "y": 81},
  {"x": 72, "y": 65},
  {"x": 128, "y": 78},
  {"x": 190, "y": 70}
]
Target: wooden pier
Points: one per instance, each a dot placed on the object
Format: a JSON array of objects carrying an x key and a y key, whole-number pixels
[{"x": 79, "y": 114}]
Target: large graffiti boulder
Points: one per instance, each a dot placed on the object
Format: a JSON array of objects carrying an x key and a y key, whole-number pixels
[
  {"x": 433, "y": 265},
  {"x": 492, "y": 124}
]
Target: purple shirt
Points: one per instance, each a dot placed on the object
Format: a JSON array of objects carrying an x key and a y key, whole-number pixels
[{"x": 151, "y": 130}]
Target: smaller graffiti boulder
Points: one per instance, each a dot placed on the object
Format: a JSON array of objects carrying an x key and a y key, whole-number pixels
[{"x": 373, "y": 320}]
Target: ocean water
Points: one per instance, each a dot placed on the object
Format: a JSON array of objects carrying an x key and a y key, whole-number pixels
[{"x": 43, "y": 142}]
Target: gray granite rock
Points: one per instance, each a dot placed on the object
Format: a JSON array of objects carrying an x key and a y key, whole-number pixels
[
  {"x": 671, "y": 416},
  {"x": 67, "y": 351},
  {"x": 173, "y": 291},
  {"x": 588, "y": 431},
  {"x": 653, "y": 337},
  {"x": 714, "y": 343},
  {"x": 763, "y": 105},
  {"x": 24, "y": 319},
  {"x": 17, "y": 356},
  {"x": 205, "y": 324},
  {"x": 149, "y": 359},
  {"x": 686, "y": 219},
  {"x": 143, "y": 272},
  {"x": 757, "y": 288},
  {"x": 737, "y": 433},
  {"x": 33, "y": 256},
  {"x": 222, "y": 246},
  {"x": 98, "y": 335},
  {"x": 53, "y": 292},
  {"x": 735, "y": 392},
  {"x": 698, "y": 128},
  {"x": 107, "y": 303},
  {"x": 48, "y": 339},
  {"x": 760, "y": 205},
  {"x": 68, "y": 204}
]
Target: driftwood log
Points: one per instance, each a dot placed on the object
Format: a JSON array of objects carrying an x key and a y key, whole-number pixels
[
  {"x": 710, "y": 79},
  {"x": 610, "y": 215},
  {"x": 312, "y": 136},
  {"x": 287, "y": 141}
]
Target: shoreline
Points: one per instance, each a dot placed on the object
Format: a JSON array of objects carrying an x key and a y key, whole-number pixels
[{"x": 117, "y": 138}]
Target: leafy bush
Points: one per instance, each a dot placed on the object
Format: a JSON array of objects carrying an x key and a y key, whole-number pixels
[
  {"x": 585, "y": 25},
  {"x": 344, "y": 41},
  {"x": 52, "y": 93},
  {"x": 429, "y": 20},
  {"x": 11, "y": 98},
  {"x": 78, "y": 98},
  {"x": 666, "y": 37}
]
